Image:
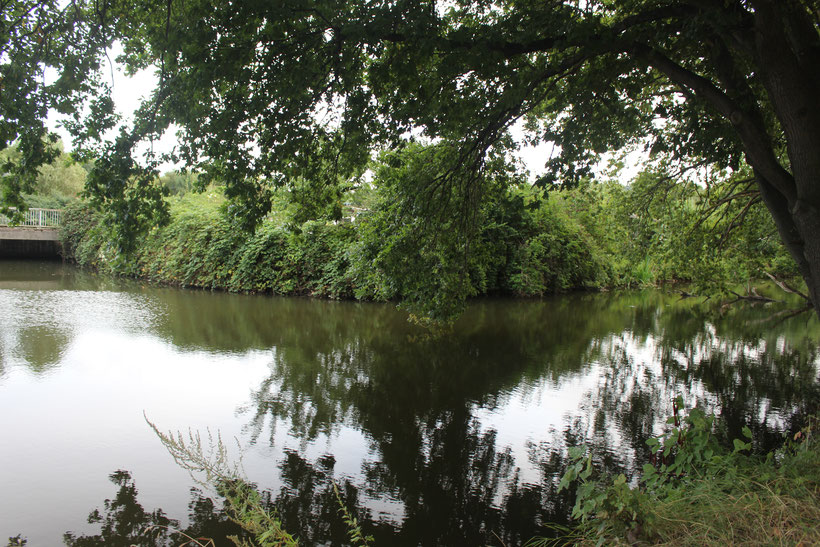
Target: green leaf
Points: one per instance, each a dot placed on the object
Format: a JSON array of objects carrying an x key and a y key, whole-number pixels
[
  {"x": 576, "y": 452},
  {"x": 740, "y": 445}
]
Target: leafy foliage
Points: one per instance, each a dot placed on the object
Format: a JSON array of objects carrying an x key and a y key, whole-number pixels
[
  {"x": 690, "y": 471},
  {"x": 709, "y": 234},
  {"x": 413, "y": 250},
  {"x": 180, "y": 182},
  {"x": 394, "y": 250},
  {"x": 302, "y": 95},
  {"x": 54, "y": 184},
  {"x": 50, "y": 57},
  {"x": 390, "y": 243}
]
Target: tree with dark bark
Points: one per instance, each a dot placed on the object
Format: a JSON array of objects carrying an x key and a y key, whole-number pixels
[{"x": 261, "y": 90}]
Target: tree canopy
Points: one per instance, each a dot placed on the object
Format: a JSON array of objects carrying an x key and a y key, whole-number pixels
[
  {"x": 264, "y": 93},
  {"x": 50, "y": 57}
]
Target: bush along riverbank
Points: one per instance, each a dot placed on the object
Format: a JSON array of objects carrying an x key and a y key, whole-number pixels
[
  {"x": 696, "y": 491},
  {"x": 402, "y": 237},
  {"x": 366, "y": 259}
]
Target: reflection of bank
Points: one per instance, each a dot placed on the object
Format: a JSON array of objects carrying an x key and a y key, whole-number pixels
[
  {"x": 35, "y": 275},
  {"x": 124, "y": 521},
  {"x": 31, "y": 285},
  {"x": 39, "y": 318},
  {"x": 42, "y": 347},
  {"x": 39, "y": 347}
]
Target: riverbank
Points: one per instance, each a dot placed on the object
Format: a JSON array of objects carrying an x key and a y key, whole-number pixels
[
  {"x": 527, "y": 246},
  {"x": 696, "y": 491},
  {"x": 201, "y": 248}
]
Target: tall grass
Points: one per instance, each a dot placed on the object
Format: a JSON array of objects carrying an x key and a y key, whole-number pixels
[
  {"x": 210, "y": 465},
  {"x": 642, "y": 273},
  {"x": 704, "y": 495},
  {"x": 742, "y": 511}
]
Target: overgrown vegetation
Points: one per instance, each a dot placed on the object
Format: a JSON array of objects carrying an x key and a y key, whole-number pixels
[
  {"x": 383, "y": 240},
  {"x": 696, "y": 491}
]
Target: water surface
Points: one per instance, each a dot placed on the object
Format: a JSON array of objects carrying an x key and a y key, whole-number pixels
[{"x": 451, "y": 439}]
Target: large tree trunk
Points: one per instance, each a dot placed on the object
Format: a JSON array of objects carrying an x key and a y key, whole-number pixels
[
  {"x": 783, "y": 45},
  {"x": 788, "y": 54},
  {"x": 807, "y": 218},
  {"x": 792, "y": 236}
]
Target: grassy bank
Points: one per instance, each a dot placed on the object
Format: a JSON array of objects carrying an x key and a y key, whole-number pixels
[
  {"x": 200, "y": 247},
  {"x": 697, "y": 492},
  {"x": 382, "y": 241}
]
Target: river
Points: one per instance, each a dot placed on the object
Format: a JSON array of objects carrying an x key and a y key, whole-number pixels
[{"x": 452, "y": 439}]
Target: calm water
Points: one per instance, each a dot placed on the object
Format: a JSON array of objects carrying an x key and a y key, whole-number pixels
[{"x": 456, "y": 439}]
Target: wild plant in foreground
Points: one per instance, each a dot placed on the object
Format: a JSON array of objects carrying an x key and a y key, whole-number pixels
[
  {"x": 696, "y": 492},
  {"x": 245, "y": 505}
]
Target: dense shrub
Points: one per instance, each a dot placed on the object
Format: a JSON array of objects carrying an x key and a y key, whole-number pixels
[
  {"x": 85, "y": 238},
  {"x": 558, "y": 255},
  {"x": 200, "y": 248},
  {"x": 697, "y": 491},
  {"x": 412, "y": 240}
]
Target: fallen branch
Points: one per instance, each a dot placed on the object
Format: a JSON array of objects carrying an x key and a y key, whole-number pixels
[
  {"x": 752, "y": 297},
  {"x": 684, "y": 295},
  {"x": 788, "y": 288}
]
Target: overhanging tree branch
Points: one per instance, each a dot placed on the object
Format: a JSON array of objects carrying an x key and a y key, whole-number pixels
[{"x": 756, "y": 141}]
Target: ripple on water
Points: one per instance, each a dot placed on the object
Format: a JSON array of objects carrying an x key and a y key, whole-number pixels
[{"x": 78, "y": 310}]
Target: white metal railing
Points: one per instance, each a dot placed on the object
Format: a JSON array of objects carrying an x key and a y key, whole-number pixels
[{"x": 37, "y": 218}]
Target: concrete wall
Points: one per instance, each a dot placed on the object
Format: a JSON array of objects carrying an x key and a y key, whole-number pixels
[
  {"x": 29, "y": 243},
  {"x": 21, "y": 233}
]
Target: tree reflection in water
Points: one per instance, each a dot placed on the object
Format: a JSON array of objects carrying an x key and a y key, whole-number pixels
[
  {"x": 125, "y": 523},
  {"x": 436, "y": 472},
  {"x": 416, "y": 403}
]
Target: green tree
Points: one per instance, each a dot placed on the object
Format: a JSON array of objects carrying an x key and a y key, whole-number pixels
[
  {"x": 257, "y": 88},
  {"x": 61, "y": 179},
  {"x": 415, "y": 249},
  {"x": 50, "y": 56},
  {"x": 55, "y": 183}
]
